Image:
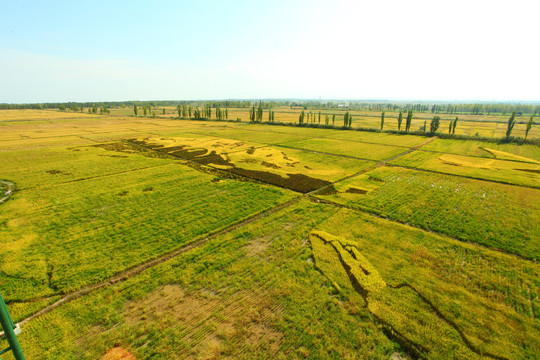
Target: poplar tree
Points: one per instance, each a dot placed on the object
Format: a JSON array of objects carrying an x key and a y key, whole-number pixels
[
  {"x": 450, "y": 126},
  {"x": 333, "y": 119},
  {"x": 135, "y": 109},
  {"x": 252, "y": 114},
  {"x": 434, "y": 126},
  {"x": 301, "y": 117},
  {"x": 319, "y": 117},
  {"x": 346, "y": 119},
  {"x": 399, "y": 119},
  {"x": 409, "y": 121},
  {"x": 259, "y": 113},
  {"x": 511, "y": 123},
  {"x": 144, "y": 110},
  {"x": 179, "y": 109},
  {"x": 529, "y": 126},
  {"x": 382, "y": 120},
  {"x": 454, "y": 125}
]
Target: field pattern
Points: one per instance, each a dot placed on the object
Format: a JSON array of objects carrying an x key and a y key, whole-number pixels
[
  {"x": 510, "y": 172},
  {"x": 487, "y": 213},
  {"x": 168, "y": 238}
]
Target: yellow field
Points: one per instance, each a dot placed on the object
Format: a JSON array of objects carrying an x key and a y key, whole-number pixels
[{"x": 167, "y": 238}]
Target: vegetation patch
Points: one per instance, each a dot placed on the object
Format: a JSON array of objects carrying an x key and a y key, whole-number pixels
[
  {"x": 56, "y": 172},
  {"x": 356, "y": 265},
  {"x": 287, "y": 171},
  {"x": 353, "y": 190}
]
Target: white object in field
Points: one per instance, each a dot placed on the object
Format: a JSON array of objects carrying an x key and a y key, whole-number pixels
[{"x": 16, "y": 330}]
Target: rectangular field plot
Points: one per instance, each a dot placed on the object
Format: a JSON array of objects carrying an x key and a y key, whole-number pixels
[
  {"x": 28, "y": 115},
  {"x": 511, "y": 172},
  {"x": 26, "y": 144},
  {"x": 377, "y": 138},
  {"x": 251, "y": 134},
  {"x": 59, "y": 238},
  {"x": 514, "y": 152},
  {"x": 49, "y": 166},
  {"x": 347, "y": 148},
  {"x": 501, "y": 216}
]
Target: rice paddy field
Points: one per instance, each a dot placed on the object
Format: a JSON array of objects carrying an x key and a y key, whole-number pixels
[{"x": 161, "y": 238}]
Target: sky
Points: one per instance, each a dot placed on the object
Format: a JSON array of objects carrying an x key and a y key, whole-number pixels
[{"x": 60, "y": 51}]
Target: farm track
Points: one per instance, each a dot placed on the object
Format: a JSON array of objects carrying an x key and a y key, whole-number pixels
[{"x": 127, "y": 274}]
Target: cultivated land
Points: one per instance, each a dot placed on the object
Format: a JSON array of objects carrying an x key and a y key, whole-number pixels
[{"x": 173, "y": 239}]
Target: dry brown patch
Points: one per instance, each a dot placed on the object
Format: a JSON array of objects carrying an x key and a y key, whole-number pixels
[
  {"x": 118, "y": 353},
  {"x": 212, "y": 325},
  {"x": 257, "y": 246}
]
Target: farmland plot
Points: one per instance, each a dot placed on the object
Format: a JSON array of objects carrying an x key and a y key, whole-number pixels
[
  {"x": 58, "y": 237},
  {"x": 511, "y": 172},
  {"x": 497, "y": 215},
  {"x": 442, "y": 298},
  {"x": 290, "y": 168},
  {"x": 348, "y": 148},
  {"x": 246, "y": 295},
  {"x": 271, "y": 289},
  {"x": 510, "y": 151},
  {"x": 199, "y": 250}
]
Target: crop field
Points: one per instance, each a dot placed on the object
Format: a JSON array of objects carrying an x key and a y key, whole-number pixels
[
  {"x": 511, "y": 172},
  {"x": 471, "y": 210},
  {"x": 162, "y": 238},
  {"x": 522, "y": 153}
]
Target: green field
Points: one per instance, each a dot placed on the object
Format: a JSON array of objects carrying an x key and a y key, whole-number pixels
[
  {"x": 471, "y": 210},
  {"x": 172, "y": 239},
  {"x": 510, "y": 172}
]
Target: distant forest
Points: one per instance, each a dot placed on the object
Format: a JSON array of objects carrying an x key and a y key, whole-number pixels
[{"x": 425, "y": 107}]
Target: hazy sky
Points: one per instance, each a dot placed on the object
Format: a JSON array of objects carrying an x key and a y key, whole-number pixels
[{"x": 141, "y": 50}]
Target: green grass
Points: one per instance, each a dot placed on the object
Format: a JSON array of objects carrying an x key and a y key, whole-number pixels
[
  {"x": 500, "y": 216},
  {"x": 511, "y": 172}
]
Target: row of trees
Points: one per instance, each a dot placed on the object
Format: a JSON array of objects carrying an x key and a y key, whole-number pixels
[
  {"x": 512, "y": 122},
  {"x": 420, "y": 107}
]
